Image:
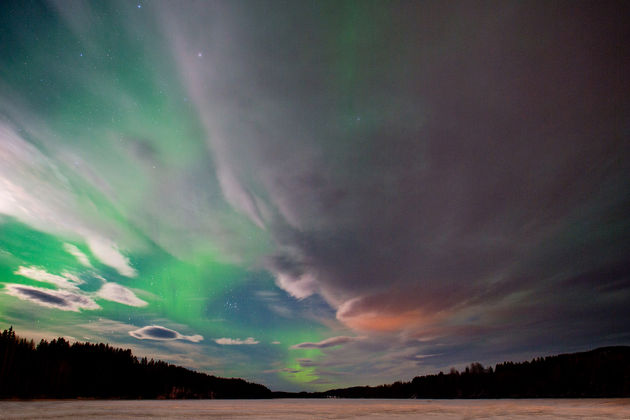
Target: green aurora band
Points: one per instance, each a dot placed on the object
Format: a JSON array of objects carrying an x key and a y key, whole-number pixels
[{"x": 109, "y": 109}]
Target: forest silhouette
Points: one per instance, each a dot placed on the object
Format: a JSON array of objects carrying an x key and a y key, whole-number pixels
[
  {"x": 59, "y": 369},
  {"x": 603, "y": 372}
]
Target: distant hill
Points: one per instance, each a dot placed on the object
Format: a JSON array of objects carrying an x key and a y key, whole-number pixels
[
  {"x": 58, "y": 369},
  {"x": 603, "y": 372}
]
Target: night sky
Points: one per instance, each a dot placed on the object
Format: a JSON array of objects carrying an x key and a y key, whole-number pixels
[{"x": 314, "y": 194}]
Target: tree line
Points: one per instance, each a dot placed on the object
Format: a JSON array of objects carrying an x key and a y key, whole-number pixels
[
  {"x": 58, "y": 369},
  {"x": 603, "y": 372}
]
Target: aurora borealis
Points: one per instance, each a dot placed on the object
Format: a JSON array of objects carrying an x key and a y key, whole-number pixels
[{"x": 314, "y": 194}]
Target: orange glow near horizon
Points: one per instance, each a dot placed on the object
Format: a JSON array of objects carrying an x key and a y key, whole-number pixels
[{"x": 381, "y": 322}]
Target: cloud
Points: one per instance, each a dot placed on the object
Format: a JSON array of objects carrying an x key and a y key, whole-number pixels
[
  {"x": 38, "y": 191},
  {"x": 109, "y": 254},
  {"x": 185, "y": 353},
  {"x": 321, "y": 381},
  {"x": 395, "y": 310},
  {"x": 275, "y": 303},
  {"x": 236, "y": 341},
  {"x": 116, "y": 293},
  {"x": 159, "y": 333},
  {"x": 292, "y": 277},
  {"x": 109, "y": 291},
  {"x": 329, "y": 342},
  {"x": 442, "y": 186},
  {"x": 65, "y": 300},
  {"x": 76, "y": 252},
  {"x": 65, "y": 281},
  {"x": 283, "y": 370},
  {"x": 104, "y": 327},
  {"x": 239, "y": 197},
  {"x": 442, "y": 191}
]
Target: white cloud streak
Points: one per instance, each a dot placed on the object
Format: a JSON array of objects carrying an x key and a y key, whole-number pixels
[
  {"x": 236, "y": 341},
  {"x": 35, "y": 190},
  {"x": 114, "y": 292},
  {"x": 76, "y": 252},
  {"x": 109, "y": 254},
  {"x": 38, "y": 274}
]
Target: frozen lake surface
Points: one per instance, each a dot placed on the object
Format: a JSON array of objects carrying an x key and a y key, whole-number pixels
[{"x": 319, "y": 409}]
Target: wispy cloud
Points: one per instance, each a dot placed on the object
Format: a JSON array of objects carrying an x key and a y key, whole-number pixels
[
  {"x": 80, "y": 256},
  {"x": 329, "y": 342},
  {"x": 109, "y": 254},
  {"x": 63, "y": 281},
  {"x": 37, "y": 190},
  {"x": 116, "y": 293},
  {"x": 431, "y": 210},
  {"x": 437, "y": 186},
  {"x": 283, "y": 370},
  {"x": 236, "y": 341}
]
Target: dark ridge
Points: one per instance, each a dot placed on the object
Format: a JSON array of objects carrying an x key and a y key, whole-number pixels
[
  {"x": 603, "y": 372},
  {"x": 58, "y": 369}
]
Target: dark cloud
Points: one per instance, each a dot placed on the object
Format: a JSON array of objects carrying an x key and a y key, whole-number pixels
[
  {"x": 609, "y": 279},
  {"x": 43, "y": 297},
  {"x": 320, "y": 381},
  {"x": 461, "y": 166},
  {"x": 59, "y": 299},
  {"x": 284, "y": 370},
  {"x": 329, "y": 342},
  {"x": 157, "y": 332},
  {"x": 306, "y": 362},
  {"x": 160, "y": 333}
]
